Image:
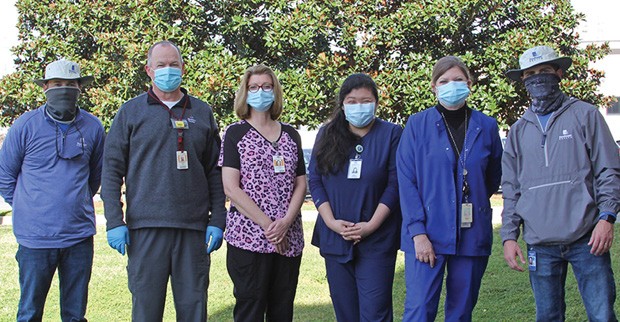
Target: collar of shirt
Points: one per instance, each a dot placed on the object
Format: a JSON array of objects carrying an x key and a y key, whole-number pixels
[{"x": 150, "y": 99}]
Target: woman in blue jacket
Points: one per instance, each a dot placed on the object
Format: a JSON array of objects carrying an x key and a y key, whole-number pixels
[
  {"x": 353, "y": 182},
  {"x": 449, "y": 164}
]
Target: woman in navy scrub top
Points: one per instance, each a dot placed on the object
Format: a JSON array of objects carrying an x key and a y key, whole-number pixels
[
  {"x": 449, "y": 164},
  {"x": 353, "y": 182}
]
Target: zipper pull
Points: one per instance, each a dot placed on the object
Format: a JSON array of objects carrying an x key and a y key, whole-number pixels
[{"x": 544, "y": 138}]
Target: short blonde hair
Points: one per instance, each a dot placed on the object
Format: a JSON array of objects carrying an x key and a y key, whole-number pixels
[{"x": 241, "y": 107}]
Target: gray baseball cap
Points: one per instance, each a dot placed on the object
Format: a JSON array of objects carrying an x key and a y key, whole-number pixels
[
  {"x": 537, "y": 56},
  {"x": 64, "y": 69}
]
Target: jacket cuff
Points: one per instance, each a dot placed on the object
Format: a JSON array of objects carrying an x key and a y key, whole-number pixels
[{"x": 417, "y": 228}]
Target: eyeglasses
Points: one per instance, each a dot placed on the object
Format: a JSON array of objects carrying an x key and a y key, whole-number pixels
[
  {"x": 69, "y": 151},
  {"x": 264, "y": 87}
]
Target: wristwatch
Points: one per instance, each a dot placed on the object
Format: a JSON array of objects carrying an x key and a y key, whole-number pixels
[{"x": 608, "y": 218}]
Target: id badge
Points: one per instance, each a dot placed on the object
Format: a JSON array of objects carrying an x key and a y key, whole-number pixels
[
  {"x": 182, "y": 163},
  {"x": 531, "y": 260},
  {"x": 355, "y": 169},
  {"x": 179, "y": 124},
  {"x": 467, "y": 215},
  {"x": 278, "y": 164}
]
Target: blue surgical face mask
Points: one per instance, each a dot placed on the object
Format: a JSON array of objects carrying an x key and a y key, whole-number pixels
[
  {"x": 168, "y": 79},
  {"x": 260, "y": 101},
  {"x": 452, "y": 94},
  {"x": 359, "y": 115}
]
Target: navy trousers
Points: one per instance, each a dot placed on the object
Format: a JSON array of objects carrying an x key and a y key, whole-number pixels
[{"x": 361, "y": 289}]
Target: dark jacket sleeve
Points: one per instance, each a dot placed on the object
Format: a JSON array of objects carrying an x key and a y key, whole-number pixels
[
  {"x": 11, "y": 158},
  {"x": 493, "y": 175},
  {"x": 605, "y": 162},
  {"x": 217, "y": 198},
  {"x": 511, "y": 189},
  {"x": 115, "y": 160},
  {"x": 414, "y": 216}
]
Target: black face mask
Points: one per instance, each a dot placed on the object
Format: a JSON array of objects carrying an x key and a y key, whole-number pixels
[
  {"x": 544, "y": 89},
  {"x": 62, "y": 102}
]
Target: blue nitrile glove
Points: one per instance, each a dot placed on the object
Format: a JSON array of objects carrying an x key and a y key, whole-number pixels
[
  {"x": 215, "y": 234},
  {"x": 118, "y": 237}
]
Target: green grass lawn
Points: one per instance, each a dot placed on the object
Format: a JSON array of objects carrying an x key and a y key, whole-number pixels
[{"x": 505, "y": 294}]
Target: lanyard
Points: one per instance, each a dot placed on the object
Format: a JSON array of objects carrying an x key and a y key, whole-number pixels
[
  {"x": 180, "y": 146},
  {"x": 458, "y": 153}
]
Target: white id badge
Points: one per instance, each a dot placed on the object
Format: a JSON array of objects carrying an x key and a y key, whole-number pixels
[
  {"x": 355, "y": 169},
  {"x": 182, "y": 163},
  {"x": 278, "y": 164},
  {"x": 467, "y": 215}
]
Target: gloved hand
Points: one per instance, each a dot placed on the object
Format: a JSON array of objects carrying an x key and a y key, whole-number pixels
[
  {"x": 118, "y": 237},
  {"x": 215, "y": 234}
]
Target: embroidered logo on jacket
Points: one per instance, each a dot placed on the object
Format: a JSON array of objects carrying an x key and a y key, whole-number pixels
[
  {"x": 565, "y": 135},
  {"x": 81, "y": 143}
]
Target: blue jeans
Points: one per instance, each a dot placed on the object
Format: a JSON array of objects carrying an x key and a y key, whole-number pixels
[
  {"x": 36, "y": 271},
  {"x": 594, "y": 276}
]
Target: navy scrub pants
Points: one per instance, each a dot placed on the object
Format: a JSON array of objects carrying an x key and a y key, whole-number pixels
[
  {"x": 156, "y": 254},
  {"x": 361, "y": 289},
  {"x": 424, "y": 286}
]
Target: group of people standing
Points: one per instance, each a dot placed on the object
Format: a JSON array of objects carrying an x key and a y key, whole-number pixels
[{"x": 165, "y": 175}]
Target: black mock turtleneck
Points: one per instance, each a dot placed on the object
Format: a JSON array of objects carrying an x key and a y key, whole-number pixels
[{"x": 456, "y": 125}]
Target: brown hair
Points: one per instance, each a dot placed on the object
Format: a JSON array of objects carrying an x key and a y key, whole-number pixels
[
  {"x": 446, "y": 63},
  {"x": 241, "y": 107}
]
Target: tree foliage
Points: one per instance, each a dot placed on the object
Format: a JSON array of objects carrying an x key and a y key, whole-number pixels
[{"x": 312, "y": 45}]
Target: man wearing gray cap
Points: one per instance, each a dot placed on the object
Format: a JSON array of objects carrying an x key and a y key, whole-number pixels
[
  {"x": 50, "y": 169},
  {"x": 561, "y": 181}
]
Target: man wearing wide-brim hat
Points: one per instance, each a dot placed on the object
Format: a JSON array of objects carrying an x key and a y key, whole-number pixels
[
  {"x": 561, "y": 181},
  {"x": 50, "y": 169}
]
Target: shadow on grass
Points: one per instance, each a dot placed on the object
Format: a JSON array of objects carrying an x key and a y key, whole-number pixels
[{"x": 5, "y": 213}]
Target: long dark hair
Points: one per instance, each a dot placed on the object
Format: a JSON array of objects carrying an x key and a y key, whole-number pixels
[{"x": 337, "y": 141}]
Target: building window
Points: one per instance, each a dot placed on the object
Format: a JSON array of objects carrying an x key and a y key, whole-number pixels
[{"x": 615, "y": 107}]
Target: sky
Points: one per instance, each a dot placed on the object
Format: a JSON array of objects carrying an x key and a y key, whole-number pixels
[{"x": 8, "y": 35}]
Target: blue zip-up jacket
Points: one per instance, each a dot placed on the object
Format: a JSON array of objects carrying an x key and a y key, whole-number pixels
[
  {"x": 50, "y": 177},
  {"x": 431, "y": 196}
]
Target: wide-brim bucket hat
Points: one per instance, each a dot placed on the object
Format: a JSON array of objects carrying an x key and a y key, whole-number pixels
[
  {"x": 64, "y": 69},
  {"x": 537, "y": 56}
]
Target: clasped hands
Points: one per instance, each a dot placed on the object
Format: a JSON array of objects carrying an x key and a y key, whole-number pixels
[
  {"x": 354, "y": 232},
  {"x": 276, "y": 234}
]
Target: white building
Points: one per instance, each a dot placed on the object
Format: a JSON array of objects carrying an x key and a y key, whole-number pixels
[{"x": 601, "y": 26}]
